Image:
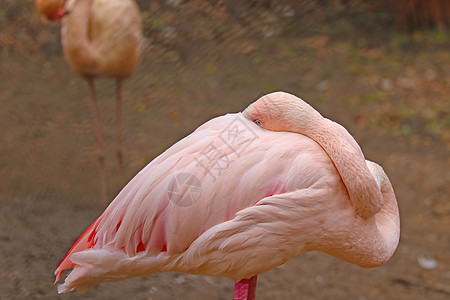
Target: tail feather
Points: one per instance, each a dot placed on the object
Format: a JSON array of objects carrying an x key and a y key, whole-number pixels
[
  {"x": 85, "y": 241},
  {"x": 105, "y": 265}
]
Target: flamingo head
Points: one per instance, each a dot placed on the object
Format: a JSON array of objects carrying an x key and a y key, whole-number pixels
[
  {"x": 52, "y": 9},
  {"x": 281, "y": 111}
]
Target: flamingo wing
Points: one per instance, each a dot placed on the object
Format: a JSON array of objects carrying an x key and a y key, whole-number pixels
[{"x": 208, "y": 179}]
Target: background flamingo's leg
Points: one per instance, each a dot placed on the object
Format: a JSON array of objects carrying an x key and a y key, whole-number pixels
[
  {"x": 99, "y": 139},
  {"x": 119, "y": 124}
]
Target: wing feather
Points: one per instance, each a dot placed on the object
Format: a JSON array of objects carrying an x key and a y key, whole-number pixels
[{"x": 147, "y": 220}]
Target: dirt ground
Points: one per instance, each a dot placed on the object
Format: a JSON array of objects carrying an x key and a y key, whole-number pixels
[{"x": 390, "y": 90}]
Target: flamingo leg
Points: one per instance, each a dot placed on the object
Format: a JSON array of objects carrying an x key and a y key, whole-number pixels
[
  {"x": 119, "y": 122},
  {"x": 100, "y": 144},
  {"x": 245, "y": 289}
]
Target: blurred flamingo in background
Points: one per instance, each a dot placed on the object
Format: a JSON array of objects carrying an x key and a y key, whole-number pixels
[
  {"x": 239, "y": 196},
  {"x": 100, "y": 38}
]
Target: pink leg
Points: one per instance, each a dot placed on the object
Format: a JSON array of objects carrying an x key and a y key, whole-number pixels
[
  {"x": 100, "y": 143},
  {"x": 119, "y": 129},
  {"x": 245, "y": 289}
]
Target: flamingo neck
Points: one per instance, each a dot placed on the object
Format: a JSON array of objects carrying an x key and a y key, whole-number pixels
[
  {"x": 372, "y": 242},
  {"x": 77, "y": 23},
  {"x": 79, "y": 52},
  {"x": 388, "y": 219},
  {"x": 361, "y": 186}
]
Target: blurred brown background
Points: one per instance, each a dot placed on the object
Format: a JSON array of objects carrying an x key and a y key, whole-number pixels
[{"x": 380, "y": 68}]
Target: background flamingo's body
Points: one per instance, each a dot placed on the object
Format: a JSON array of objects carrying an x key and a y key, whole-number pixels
[
  {"x": 100, "y": 38},
  {"x": 262, "y": 197}
]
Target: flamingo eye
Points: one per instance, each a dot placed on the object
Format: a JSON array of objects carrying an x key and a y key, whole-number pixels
[{"x": 257, "y": 122}]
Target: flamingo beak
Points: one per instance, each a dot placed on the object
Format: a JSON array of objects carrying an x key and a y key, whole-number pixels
[{"x": 59, "y": 15}]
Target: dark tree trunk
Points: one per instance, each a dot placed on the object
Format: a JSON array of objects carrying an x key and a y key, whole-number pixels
[{"x": 420, "y": 14}]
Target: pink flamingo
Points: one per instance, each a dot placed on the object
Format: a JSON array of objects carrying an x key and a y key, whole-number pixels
[
  {"x": 239, "y": 196},
  {"x": 100, "y": 38}
]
